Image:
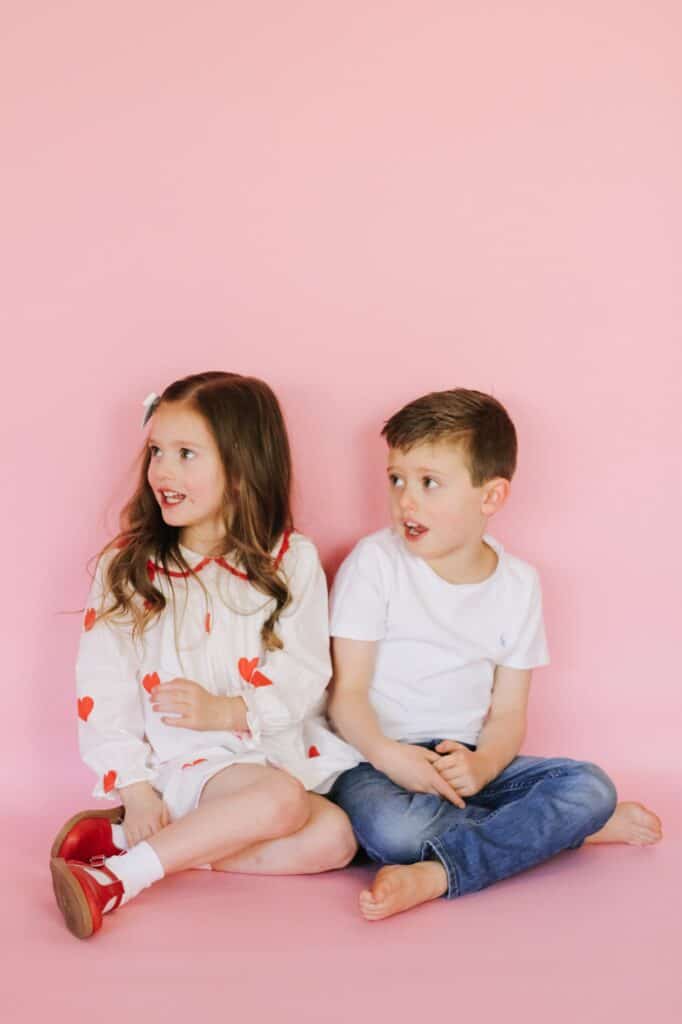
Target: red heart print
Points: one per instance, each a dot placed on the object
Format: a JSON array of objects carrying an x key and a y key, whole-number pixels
[
  {"x": 89, "y": 620},
  {"x": 190, "y": 764},
  {"x": 109, "y": 781},
  {"x": 150, "y": 681},
  {"x": 313, "y": 752},
  {"x": 247, "y": 668},
  {"x": 258, "y": 679},
  {"x": 85, "y": 706}
]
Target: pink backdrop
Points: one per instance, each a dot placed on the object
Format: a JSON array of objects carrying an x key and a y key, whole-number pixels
[{"x": 359, "y": 202}]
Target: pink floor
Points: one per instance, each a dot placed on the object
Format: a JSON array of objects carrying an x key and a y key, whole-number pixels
[{"x": 592, "y": 936}]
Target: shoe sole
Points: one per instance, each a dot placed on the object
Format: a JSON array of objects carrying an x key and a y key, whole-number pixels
[
  {"x": 114, "y": 814},
  {"x": 71, "y": 900}
]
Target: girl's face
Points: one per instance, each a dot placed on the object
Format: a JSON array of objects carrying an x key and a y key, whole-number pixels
[{"x": 187, "y": 477}]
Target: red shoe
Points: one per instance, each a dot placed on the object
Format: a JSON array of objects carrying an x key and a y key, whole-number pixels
[
  {"x": 88, "y": 835},
  {"x": 81, "y": 898}
]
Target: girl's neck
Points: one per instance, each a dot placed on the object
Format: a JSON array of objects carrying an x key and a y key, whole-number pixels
[{"x": 203, "y": 544}]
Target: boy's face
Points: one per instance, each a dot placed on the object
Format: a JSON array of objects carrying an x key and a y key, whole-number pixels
[{"x": 435, "y": 508}]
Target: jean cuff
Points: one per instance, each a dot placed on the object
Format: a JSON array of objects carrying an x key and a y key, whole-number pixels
[{"x": 432, "y": 850}]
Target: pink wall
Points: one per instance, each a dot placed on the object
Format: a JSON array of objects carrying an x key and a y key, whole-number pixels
[{"x": 360, "y": 202}]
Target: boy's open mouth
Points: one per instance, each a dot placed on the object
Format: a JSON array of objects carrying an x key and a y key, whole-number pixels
[
  {"x": 170, "y": 498},
  {"x": 414, "y": 530}
]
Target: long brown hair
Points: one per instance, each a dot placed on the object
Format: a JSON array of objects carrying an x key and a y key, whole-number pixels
[{"x": 246, "y": 421}]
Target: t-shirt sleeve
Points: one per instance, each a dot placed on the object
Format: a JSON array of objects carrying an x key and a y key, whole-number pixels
[
  {"x": 359, "y": 596},
  {"x": 529, "y": 648}
]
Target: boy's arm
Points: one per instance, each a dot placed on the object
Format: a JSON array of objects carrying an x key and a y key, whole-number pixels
[
  {"x": 349, "y": 708},
  {"x": 500, "y": 739}
]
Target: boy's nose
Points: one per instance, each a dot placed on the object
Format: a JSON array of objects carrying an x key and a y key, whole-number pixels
[{"x": 406, "y": 503}]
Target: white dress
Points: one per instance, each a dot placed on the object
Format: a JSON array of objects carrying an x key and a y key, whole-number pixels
[{"x": 209, "y": 632}]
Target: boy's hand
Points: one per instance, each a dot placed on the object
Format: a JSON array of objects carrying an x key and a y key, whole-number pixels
[
  {"x": 414, "y": 768},
  {"x": 467, "y": 771},
  {"x": 146, "y": 813},
  {"x": 191, "y": 706}
]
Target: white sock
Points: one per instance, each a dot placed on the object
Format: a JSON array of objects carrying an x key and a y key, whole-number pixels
[
  {"x": 138, "y": 868},
  {"x": 119, "y": 837}
]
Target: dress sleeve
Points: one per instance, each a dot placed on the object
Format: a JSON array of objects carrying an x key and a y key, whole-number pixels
[
  {"x": 287, "y": 685},
  {"x": 110, "y": 715}
]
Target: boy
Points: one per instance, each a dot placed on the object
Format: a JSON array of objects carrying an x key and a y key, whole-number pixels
[{"x": 436, "y": 630}]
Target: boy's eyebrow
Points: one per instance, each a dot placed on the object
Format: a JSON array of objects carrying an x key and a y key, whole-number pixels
[{"x": 419, "y": 469}]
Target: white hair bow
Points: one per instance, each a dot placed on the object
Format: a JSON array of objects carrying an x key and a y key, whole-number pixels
[{"x": 149, "y": 405}]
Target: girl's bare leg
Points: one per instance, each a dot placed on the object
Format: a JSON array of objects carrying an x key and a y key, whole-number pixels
[
  {"x": 240, "y": 806},
  {"x": 324, "y": 843}
]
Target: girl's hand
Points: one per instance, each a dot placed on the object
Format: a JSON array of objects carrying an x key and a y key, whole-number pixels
[
  {"x": 415, "y": 768},
  {"x": 467, "y": 771},
  {"x": 146, "y": 813},
  {"x": 191, "y": 706}
]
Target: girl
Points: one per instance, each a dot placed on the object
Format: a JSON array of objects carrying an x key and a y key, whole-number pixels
[{"x": 202, "y": 666}]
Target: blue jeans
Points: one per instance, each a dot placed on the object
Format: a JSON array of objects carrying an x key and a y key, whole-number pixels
[{"x": 535, "y": 808}]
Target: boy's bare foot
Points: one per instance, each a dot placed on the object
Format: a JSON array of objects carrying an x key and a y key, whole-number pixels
[
  {"x": 630, "y": 823},
  {"x": 402, "y": 886}
]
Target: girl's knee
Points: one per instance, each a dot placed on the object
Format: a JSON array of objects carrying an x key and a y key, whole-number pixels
[
  {"x": 335, "y": 844},
  {"x": 289, "y": 805},
  {"x": 343, "y": 844}
]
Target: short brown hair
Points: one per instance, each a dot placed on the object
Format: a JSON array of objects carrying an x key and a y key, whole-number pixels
[{"x": 472, "y": 419}]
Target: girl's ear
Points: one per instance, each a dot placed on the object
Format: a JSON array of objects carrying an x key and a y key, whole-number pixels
[{"x": 495, "y": 494}]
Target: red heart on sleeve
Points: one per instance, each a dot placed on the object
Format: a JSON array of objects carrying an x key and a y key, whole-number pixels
[
  {"x": 109, "y": 781},
  {"x": 313, "y": 752},
  {"x": 258, "y": 679},
  {"x": 150, "y": 681},
  {"x": 247, "y": 668},
  {"x": 85, "y": 706},
  {"x": 89, "y": 620}
]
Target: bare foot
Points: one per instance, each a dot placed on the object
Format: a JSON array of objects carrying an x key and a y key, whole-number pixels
[
  {"x": 631, "y": 823},
  {"x": 402, "y": 886}
]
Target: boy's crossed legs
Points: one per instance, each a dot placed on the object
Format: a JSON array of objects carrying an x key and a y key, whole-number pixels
[{"x": 534, "y": 809}]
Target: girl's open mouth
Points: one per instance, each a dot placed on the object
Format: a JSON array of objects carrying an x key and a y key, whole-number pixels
[{"x": 171, "y": 498}]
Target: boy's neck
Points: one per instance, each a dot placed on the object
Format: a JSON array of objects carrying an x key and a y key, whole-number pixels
[{"x": 474, "y": 563}]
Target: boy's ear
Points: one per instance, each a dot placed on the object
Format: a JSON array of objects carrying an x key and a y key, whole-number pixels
[{"x": 495, "y": 494}]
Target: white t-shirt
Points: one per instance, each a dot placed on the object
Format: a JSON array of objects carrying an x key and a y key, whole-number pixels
[{"x": 437, "y": 642}]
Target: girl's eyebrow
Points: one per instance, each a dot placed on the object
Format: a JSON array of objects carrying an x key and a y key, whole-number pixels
[{"x": 180, "y": 444}]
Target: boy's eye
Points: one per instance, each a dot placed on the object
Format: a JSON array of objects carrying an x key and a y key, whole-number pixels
[
  {"x": 395, "y": 481},
  {"x": 429, "y": 482},
  {"x": 187, "y": 453}
]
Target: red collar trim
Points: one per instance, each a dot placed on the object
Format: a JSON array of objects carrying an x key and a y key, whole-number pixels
[{"x": 153, "y": 568}]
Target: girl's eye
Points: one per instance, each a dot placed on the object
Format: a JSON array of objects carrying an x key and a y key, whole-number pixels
[
  {"x": 429, "y": 483},
  {"x": 187, "y": 453},
  {"x": 395, "y": 481},
  {"x": 154, "y": 449}
]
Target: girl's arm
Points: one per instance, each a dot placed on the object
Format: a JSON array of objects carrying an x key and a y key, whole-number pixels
[
  {"x": 285, "y": 686},
  {"x": 111, "y": 721}
]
